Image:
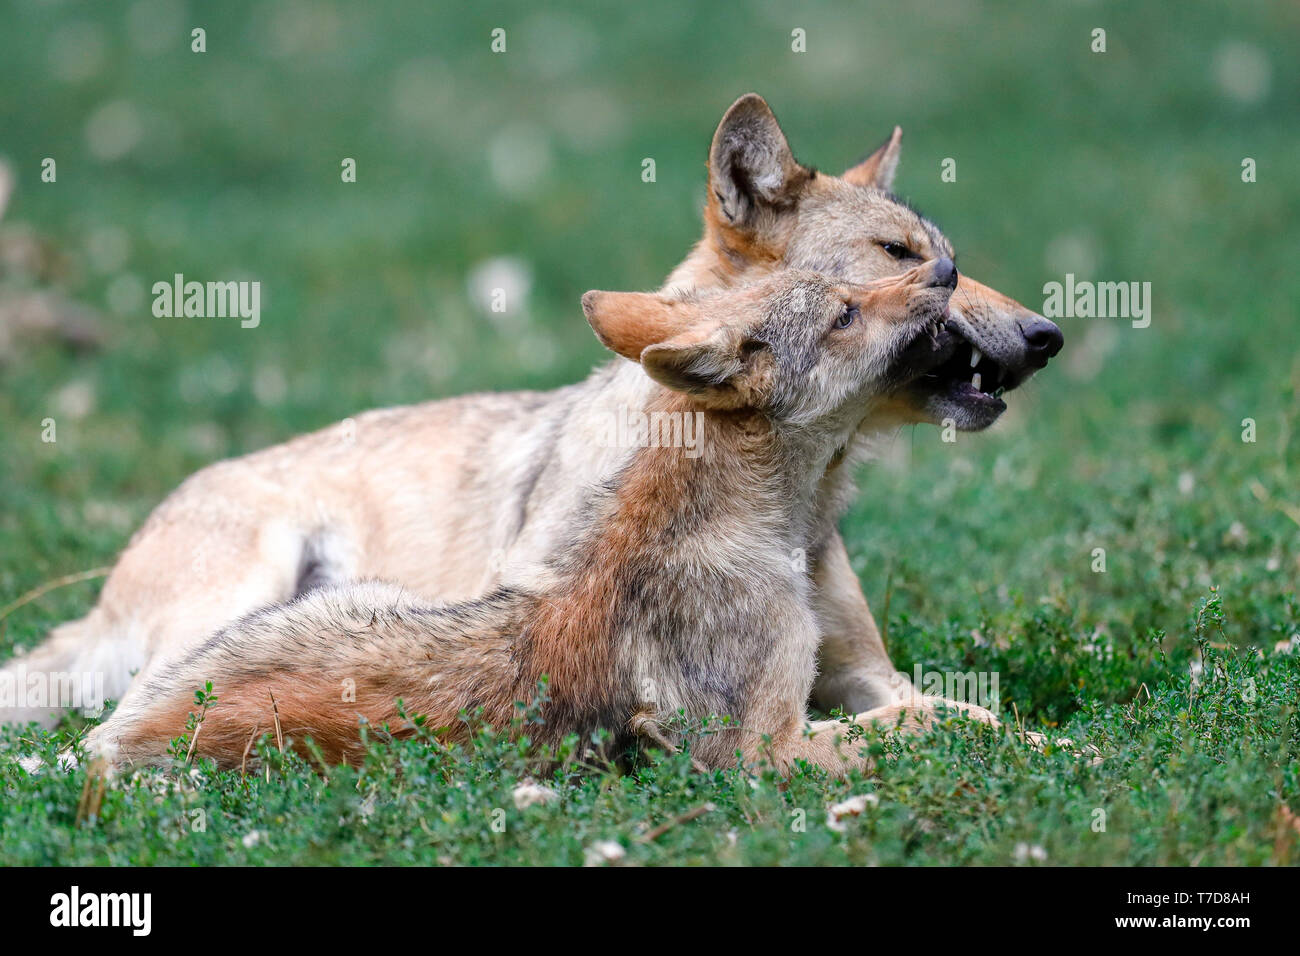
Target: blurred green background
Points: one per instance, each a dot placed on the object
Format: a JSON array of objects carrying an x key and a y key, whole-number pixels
[
  {"x": 525, "y": 167},
  {"x": 524, "y": 170}
]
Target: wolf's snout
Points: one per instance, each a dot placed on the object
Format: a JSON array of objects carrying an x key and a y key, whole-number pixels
[
  {"x": 1042, "y": 339},
  {"x": 944, "y": 274}
]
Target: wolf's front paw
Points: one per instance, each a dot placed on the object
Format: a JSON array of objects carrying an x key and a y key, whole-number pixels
[
  {"x": 973, "y": 711},
  {"x": 917, "y": 713},
  {"x": 1040, "y": 742}
]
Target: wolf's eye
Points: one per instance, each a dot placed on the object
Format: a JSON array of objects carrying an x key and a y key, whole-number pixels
[
  {"x": 846, "y": 317},
  {"x": 898, "y": 250}
]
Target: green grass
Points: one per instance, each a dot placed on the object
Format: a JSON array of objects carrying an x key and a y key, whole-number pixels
[{"x": 978, "y": 554}]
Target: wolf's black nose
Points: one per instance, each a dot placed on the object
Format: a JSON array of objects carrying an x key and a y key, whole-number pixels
[
  {"x": 945, "y": 273},
  {"x": 1042, "y": 338}
]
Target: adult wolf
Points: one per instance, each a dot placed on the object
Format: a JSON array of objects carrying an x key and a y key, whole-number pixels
[{"x": 454, "y": 498}]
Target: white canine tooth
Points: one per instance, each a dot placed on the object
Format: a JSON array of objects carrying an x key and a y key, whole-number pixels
[
  {"x": 974, "y": 356},
  {"x": 975, "y": 381}
]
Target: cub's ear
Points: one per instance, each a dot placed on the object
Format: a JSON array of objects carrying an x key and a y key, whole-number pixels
[
  {"x": 629, "y": 322},
  {"x": 705, "y": 363},
  {"x": 675, "y": 344},
  {"x": 750, "y": 164},
  {"x": 878, "y": 169}
]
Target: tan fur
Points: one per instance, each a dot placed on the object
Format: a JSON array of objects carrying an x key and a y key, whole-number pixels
[
  {"x": 640, "y": 330},
  {"x": 644, "y": 618},
  {"x": 451, "y": 499}
]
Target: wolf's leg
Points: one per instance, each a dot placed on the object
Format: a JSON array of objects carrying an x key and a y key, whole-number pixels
[
  {"x": 854, "y": 671},
  {"x": 204, "y": 559},
  {"x": 824, "y": 743},
  {"x": 80, "y": 664}
]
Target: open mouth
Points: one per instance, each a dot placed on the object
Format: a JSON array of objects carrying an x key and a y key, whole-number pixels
[
  {"x": 966, "y": 375},
  {"x": 945, "y": 365}
]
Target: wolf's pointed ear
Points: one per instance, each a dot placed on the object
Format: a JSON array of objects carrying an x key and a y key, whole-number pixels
[
  {"x": 630, "y": 322},
  {"x": 750, "y": 164},
  {"x": 673, "y": 343},
  {"x": 878, "y": 169},
  {"x": 704, "y": 362}
]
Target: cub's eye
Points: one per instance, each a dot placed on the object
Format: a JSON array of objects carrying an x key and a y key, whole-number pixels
[
  {"x": 846, "y": 317},
  {"x": 898, "y": 250}
]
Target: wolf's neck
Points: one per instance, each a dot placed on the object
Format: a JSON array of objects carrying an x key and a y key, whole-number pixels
[
  {"x": 713, "y": 265},
  {"x": 747, "y": 492},
  {"x": 837, "y": 486}
]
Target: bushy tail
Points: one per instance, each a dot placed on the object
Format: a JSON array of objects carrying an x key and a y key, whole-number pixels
[{"x": 319, "y": 666}]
